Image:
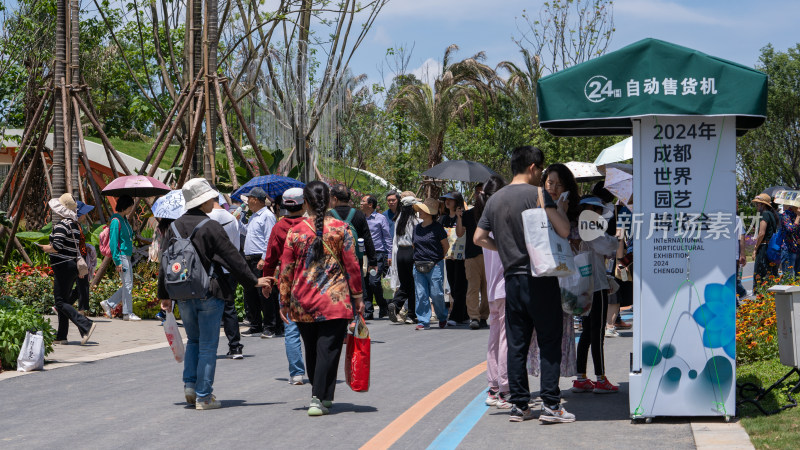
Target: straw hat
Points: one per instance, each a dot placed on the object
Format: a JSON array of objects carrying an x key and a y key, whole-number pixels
[
  {"x": 429, "y": 206},
  {"x": 68, "y": 202},
  {"x": 764, "y": 199}
]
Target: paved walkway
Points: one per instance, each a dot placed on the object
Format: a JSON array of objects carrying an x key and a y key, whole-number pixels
[
  {"x": 415, "y": 402},
  {"x": 111, "y": 338}
]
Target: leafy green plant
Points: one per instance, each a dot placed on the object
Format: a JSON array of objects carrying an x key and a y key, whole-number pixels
[
  {"x": 15, "y": 319},
  {"x": 31, "y": 285}
]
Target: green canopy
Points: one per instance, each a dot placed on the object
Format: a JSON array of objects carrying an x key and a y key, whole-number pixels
[{"x": 650, "y": 77}]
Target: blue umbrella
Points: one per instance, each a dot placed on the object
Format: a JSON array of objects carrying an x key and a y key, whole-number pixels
[
  {"x": 273, "y": 185},
  {"x": 171, "y": 205}
]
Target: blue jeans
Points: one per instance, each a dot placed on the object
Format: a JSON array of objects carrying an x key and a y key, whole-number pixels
[
  {"x": 430, "y": 286},
  {"x": 125, "y": 292},
  {"x": 294, "y": 349},
  {"x": 201, "y": 319},
  {"x": 789, "y": 263}
]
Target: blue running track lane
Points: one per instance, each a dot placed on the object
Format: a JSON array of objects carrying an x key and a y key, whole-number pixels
[{"x": 458, "y": 429}]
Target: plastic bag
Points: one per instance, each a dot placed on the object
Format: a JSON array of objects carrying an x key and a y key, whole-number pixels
[
  {"x": 356, "y": 370},
  {"x": 31, "y": 354},
  {"x": 577, "y": 290},
  {"x": 550, "y": 254},
  {"x": 174, "y": 337}
]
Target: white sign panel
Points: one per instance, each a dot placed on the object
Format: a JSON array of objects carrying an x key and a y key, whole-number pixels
[{"x": 684, "y": 266}]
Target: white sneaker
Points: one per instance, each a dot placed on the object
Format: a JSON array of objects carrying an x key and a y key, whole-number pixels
[
  {"x": 209, "y": 402},
  {"x": 131, "y": 317},
  {"x": 612, "y": 332},
  {"x": 106, "y": 308},
  {"x": 296, "y": 380}
]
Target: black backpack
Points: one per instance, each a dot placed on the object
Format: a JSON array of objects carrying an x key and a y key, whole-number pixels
[{"x": 184, "y": 275}]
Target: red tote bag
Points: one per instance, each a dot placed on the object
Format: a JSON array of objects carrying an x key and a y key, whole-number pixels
[{"x": 358, "y": 353}]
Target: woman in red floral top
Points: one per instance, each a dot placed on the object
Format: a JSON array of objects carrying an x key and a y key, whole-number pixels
[{"x": 320, "y": 287}]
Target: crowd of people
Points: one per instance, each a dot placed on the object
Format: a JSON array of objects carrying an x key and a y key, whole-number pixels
[{"x": 309, "y": 262}]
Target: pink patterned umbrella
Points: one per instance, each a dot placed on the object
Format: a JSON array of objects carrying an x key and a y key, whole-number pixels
[{"x": 136, "y": 186}]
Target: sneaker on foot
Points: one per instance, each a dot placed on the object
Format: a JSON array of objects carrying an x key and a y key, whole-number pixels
[
  {"x": 474, "y": 324},
  {"x": 392, "y": 312},
  {"x": 491, "y": 398},
  {"x": 88, "y": 334},
  {"x": 61, "y": 342},
  {"x": 190, "y": 395},
  {"x": 106, "y": 308},
  {"x": 519, "y": 415},
  {"x": 483, "y": 323},
  {"x": 585, "y": 385},
  {"x": 409, "y": 320},
  {"x": 316, "y": 408},
  {"x": 267, "y": 334},
  {"x": 161, "y": 316},
  {"x": 209, "y": 402},
  {"x": 611, "y": 332},
  {"x": 131, "y": 317},
  {"x": 421, "y": 327},
  {"x": 623, "y": 325},
  {"x": 253, "y": 332},
  {"x": 444, "y": 323},
  {"x": 296, "y": 380},
  {"x": 235, "y": 353},
  {"x": 556, "y": 414},
  {"x": 327, "y": 403},
  {"x": 502, "y": 401},
  {"x": 605, "y": 387}
]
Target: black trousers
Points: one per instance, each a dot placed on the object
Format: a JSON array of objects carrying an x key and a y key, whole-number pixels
[
  {"x": 457, "y": 279},
  {"x": 594, "y": 334},
  {"x": 374, "y": 288},
  {"x": 64, "y": 276},
  {"x": 262, "y": 310},
  {"x": 81, "y": 293},
  {"x": 230, "y": 320},
  {"x": 533, "y": 303},
  {"x": 405, "y": 272},
  {"x": 323, "y": 344}
]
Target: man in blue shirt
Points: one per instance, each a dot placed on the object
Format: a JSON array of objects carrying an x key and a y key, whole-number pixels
[
  {"x": 392, "y": 200},
  {"x": 381, "y": 234},
  {"x": 263, "y": 311}
]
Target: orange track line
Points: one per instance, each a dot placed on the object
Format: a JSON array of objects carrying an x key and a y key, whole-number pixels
[{"x": 395, "y": 430}]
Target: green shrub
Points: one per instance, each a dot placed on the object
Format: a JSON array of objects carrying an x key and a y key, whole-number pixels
[
  {"x": 15, "y": 319},
  {"x": 31, "y": 285}
]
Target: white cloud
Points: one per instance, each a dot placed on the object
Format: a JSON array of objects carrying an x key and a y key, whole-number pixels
[
  {"x": 381, "y": 36},
  {"x": 667, "y": 11},
  {"x": 428, "y": 71}
]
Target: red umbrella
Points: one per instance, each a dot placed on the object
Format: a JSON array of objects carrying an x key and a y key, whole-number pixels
[{"x": 136, "y": 186}]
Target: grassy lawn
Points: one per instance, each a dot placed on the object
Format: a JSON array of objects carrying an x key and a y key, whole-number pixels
[
  {"x": 139, "y": 150},
  {"x": 362, "y": 182},
  {"x": 779, "y": 431}
]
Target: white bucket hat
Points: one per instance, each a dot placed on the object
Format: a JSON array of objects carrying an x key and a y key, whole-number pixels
[{"x": 196, "y": 192}]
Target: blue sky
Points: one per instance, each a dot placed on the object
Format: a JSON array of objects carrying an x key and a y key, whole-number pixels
[{"x": 731, "y": 29}]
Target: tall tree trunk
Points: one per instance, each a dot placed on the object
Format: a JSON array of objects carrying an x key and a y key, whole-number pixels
[
  {"x": 74, "y": 77},
  {"x": 59, "y": 179},
  {"x": 197, "y": 64},
  {"x": 211, "y": 71},
  {"x": 302, "y": 148}
]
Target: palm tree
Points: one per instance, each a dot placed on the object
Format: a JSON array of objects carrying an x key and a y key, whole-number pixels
[
  {"x": 455, "y": 90},
  {"x": 59, "y": 155},
  {"x": 521, "y": 84}
]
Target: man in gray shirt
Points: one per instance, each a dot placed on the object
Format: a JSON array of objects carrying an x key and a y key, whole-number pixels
[{"x": 532, "y": 303}]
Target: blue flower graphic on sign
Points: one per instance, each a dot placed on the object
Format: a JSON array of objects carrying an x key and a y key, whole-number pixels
[{"x": 718, "y": 316}]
